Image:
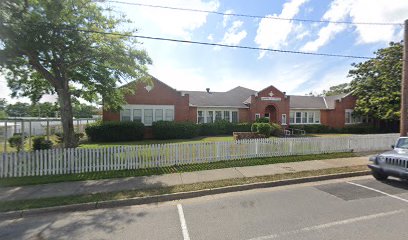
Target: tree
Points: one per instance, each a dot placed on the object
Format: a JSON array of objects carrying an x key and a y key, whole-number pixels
[
  {"x": 46, "y": 109},
  {"x": 18, "y": 109},
  {"x": 3, "y": 105},
  {"x": 56, "y": 46},
  {"x": 336, "y": 90},
  {"x": 81, "y": 110},
  {"x": 377, "y": 84}
]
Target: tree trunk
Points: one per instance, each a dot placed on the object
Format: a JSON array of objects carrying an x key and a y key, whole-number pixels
[{"x": 64, "y": 98}]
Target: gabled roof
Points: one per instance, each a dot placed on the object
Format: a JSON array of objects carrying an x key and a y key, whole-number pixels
[
  {"x": 232, "y": 98},
  {"x": 313, "y": 102}
]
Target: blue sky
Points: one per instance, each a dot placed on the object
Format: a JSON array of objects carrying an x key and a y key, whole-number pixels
[{"x": 196, "y": 67}]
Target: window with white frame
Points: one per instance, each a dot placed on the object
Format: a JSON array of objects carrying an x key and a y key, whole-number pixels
[
  {"x": 148, "y": 117},
  {"x": 169, "y": 115},
  {"x": 137, "y": 115},
  {"x": 147, "y": 114},
  {"x": 350, "y": 118},
  {"x": 218, "y": 115},
  {"x": 304, "y": 117},
  {"x": 125, "y": 115},
  {"x": 283, "y": 119},
  {"x": 158, "y": 115},
  {"x": 227, "y": 116},
  {"x": 210, "y": 115},
  {"x": 234, "y": 116},
  {"x": 200, "y": 116}
]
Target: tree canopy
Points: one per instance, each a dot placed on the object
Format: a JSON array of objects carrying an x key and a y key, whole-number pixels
[
  {"x": 377, "y": 83},
  {"x": 336, "y": 90},
  {"x": 56, "y": 46}
]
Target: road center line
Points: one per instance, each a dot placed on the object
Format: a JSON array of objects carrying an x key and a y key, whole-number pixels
[
  {"x": 183, "y": 222},
  {"x": 375, "y": 190},
  {"x": 329, "y": 225}
]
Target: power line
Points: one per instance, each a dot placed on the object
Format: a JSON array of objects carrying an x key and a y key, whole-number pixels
[
  {"x": 65, "y": 28},
  {"x": 220, "y": 44},
  {"x": 252, "y": 16}
]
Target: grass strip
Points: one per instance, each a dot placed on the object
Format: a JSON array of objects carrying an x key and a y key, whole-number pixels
[
  {"x": 67, "y": 200},
  {"x": 34, "y": 180}
]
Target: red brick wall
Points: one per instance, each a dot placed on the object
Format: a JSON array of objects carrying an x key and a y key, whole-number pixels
[
  {"x": 160, "y": 94},
  {"x": 336, "y": 117},
  {"x": 259, "y": 106},
  {"x": 243, "y": 115}
]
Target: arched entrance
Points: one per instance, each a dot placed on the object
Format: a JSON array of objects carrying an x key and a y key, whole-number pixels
[{"x": 271, "y": 113}]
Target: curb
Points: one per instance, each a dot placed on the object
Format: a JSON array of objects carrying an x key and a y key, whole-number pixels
[{"x": 173, "y": 196}]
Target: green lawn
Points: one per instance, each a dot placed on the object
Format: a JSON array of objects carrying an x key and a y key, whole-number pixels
[
  {"x": 151, "y": 141},
  {"x": 33, "y": 180}
]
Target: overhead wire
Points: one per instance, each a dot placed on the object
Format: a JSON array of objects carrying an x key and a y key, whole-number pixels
[{"x": 248, "y": 15}]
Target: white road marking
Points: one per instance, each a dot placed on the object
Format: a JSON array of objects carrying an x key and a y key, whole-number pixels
[
  {"x": 183, "y": 222},
  {"x": 375, "y": 190},
  {"x": 331, "y": 224}
]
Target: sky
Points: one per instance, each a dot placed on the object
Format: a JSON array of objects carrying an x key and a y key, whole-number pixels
[{"x": 186, "y": 66}]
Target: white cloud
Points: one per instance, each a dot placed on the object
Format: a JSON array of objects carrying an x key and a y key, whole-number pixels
[
  {"x": 170, "y": 22},
  {"x": 274, "y": 34},
  {"x": 361, "y": 11},
  {"x": 333, "y": 77},
  {"x": 210, "y": 37},
  {"x": 233, "y": 36},
  {"x": 226, "y": 18}
]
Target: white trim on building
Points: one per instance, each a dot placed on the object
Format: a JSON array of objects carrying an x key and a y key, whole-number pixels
[{"x": 147, "y": 114}]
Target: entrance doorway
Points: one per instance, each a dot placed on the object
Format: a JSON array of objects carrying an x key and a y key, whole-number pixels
[{"x": 271, "y": 114}]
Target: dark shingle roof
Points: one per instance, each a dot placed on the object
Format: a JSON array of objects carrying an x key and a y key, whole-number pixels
[
  {"x": 312, "y": 102},
  {"x": 232, "y": 98}
]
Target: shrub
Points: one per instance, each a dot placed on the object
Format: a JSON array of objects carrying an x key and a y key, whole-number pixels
[
  {"x": 254, "y": 127},
  {"x": 359, "y": 129},
  {"x": 40, "y": 143},
  {"x": 114, "y": 131},
  {"x": 60, "y": 137},
  {"x": 17, "y": 141},
  {"x": 222, "y": 127},
  {"x": 241, "y": 127},
  {"x": 276, "y": 130},
  {"x": 262, "y": 120},
  {"x": 316, "y": 128},
  {"x": 264, "y": 129},
  {"x": 174, "y": 130}
]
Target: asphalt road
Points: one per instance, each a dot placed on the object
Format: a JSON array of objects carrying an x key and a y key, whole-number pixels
[{"x": 357, "y": 208}]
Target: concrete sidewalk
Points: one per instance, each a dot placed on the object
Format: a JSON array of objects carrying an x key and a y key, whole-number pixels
[{"x": 146, "y": 182}]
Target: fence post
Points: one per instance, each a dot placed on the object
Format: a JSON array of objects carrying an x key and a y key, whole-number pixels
[{"x": 5, "y": 136}]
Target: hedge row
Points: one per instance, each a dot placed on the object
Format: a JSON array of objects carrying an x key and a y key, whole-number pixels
[
  {"x": 114, "y": 131},
  {"x": 129, "y": 131},
  {"x": 175, "y": 130},
  {"x": 352, "y": 129}
]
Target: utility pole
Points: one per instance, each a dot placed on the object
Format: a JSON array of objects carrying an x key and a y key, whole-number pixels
[{"x": 404, "y": 85}]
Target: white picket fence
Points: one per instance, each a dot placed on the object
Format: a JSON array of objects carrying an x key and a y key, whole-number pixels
[{"x": 80, "y": 160}]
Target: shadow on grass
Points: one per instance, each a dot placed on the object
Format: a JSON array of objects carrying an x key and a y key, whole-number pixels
[{"x": 34, "y": 180}]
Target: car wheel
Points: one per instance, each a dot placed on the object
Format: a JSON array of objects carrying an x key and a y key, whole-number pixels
[{"x": 379, "y": 176}]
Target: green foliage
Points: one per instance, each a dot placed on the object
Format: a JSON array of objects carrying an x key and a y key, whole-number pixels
[
  {"x": 60, "y": 136},
  {"x": 223, "y": 127},
  {"x": 45, "y": 109},
  {"x": 377, "y": 84},
  {"x": 81, "y": 110},
  {"x": 316, "y": 128},
  {"x": 18, "y": 109},
  {"x": 174, "y": 130},
  {"x": 40, "y": 143},
  {"x": 254, "y": 127},
  {"x": 276, "y": 130},
  {"x": 3, "y": 114},
  {"x": 41, "y": 53},
  {"x": 336, "y": 90},
  {"x": 264, "y": 129},
  {"x": 262, "y": 120},
  {"x": 17, "y": 142},
  {"x": 114, "y": 131}
]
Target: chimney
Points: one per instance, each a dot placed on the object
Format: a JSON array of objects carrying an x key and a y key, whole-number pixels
[{"x": 208, "y": 90}]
